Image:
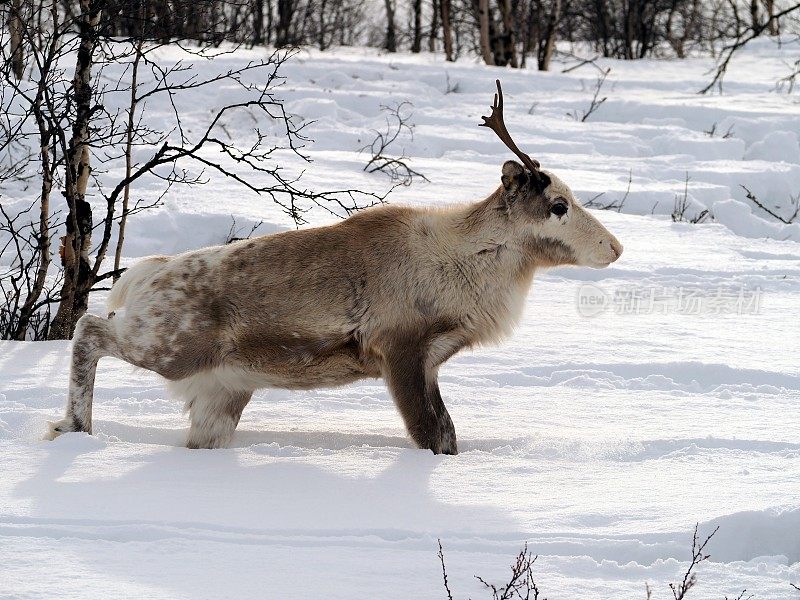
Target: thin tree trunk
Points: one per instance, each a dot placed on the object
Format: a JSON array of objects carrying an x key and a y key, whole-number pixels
[
  {"x": 509, "y": 35},
  {"x": 322, "y": 25},
  {"x": 258, "y": 22},
  {"x": 483, "y": 20},
  {"x": 675, "y": 41},
  {"x": 15, "y": 35},
  {"x": 603, "y": 25},
  {"x": 769, "y": 6},
  {"x": 447, "y": 30},
  {"x": 391, "y": 37},
  {"x": 77, "y": 242},
  {"x": 532, "y": 32},
  {"x": 630, "y": 24},
  {"x": 546, "y": 49},
  {"x": 43, "y": 235},
  {"x": 285, "y": 13},
  {"x": 214, "y": 21},
  {"x": 434, "y": 26},
  {"x": 268, "y": 37},
  {"x": 497, "y": 42},
  {"x": 299, "y": 32},
  {"x": 416, "y": 43},
  {"x": 755, "y": 21},
  {"x": 126, "y": 194}
]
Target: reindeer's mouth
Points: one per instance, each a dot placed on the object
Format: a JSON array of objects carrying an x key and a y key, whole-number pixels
[
  {"x": 615, "y": 252},
  {"x": 599, "y": 264}
]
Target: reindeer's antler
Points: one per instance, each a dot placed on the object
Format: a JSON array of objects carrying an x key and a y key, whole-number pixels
[{"x": 495, "y": 123}]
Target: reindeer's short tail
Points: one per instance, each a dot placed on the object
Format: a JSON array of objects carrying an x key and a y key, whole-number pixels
[{"x": 133, "y": 278}]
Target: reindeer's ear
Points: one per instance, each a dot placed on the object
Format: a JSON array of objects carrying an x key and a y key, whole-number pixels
[
  {"x": 514, "y": 176},
  {"x": 540, "y": 180}
]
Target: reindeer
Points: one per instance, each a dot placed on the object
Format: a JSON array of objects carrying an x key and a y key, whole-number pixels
[{"x": 390, "y": 292}]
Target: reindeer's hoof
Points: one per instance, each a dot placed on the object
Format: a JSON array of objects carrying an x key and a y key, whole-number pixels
[{"x": 56, "y": 428}]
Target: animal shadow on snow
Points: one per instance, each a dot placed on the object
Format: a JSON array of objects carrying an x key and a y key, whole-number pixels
[{"x": 84, "y": 488}]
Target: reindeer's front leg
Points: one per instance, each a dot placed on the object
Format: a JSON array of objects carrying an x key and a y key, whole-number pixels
[{"x": 415, "y": 390}]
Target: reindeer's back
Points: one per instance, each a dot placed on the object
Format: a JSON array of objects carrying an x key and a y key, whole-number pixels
[{"x": 322, "y": 280}]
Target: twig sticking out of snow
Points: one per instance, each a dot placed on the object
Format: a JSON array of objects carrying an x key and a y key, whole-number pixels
[
  {"x": 520, "y": 585},
  {"x": 713, "y": 130},
  {"x": 521, "y": 580},
  {"x": 682, "y": 204},
  {"x": 444, "y": 572},
  {"x": 740, "y": 596},
  {"x": 613, "y": 205},
  {"x": 595, "y": 103},
  {"x": 787, "y": 221},
  {"x": 698, "y": 556},
  {"x": 451, "y": 88}
]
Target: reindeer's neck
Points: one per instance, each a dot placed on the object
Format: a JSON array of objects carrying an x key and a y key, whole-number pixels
[
  {"x": 491, "y": 265},
  {"x": 482, "y": 236},
  {"x": 478, "y": 224}
]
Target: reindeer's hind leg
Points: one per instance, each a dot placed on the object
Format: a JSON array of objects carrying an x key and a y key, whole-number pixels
[
  {"x": 214, "y": 410},
  {"x": 94, "y": 338}
]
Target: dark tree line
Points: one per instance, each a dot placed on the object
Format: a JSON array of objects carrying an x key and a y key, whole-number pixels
[
  {"x": 512, "y": 33},
  {"x": 515, "y": 33}
]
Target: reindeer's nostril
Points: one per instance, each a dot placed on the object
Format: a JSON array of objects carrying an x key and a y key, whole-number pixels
[{"x": 616, "y": 248}]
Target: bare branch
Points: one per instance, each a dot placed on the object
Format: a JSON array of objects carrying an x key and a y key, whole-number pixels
[
  {"x": 742, "y": 39},
  {"x": 395, "y": 167},
  {"x": 786, "y": 220},
  {"x": 521, "y": 583},
  {"x": 444, "y": 572},
  {"x": 596, "y": 101},
  {"x": 698, "y": 556},
  {"x": 613, "y": 205}
]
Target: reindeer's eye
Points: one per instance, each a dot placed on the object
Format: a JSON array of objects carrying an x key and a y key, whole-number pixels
[{"x": 559, "y": 209}]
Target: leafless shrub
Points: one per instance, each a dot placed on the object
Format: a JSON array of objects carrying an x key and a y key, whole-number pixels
[
  {"x": 396, "y": 167},
  {"x": 679, "y": 590},
  {"x": 25, "y": 294},
  {"x": 236, "y": 234},
  {"x": 520, "y": 584},
  {"x": 450, "y": 87},
  {"x": 794, "y": 206},
  {"x": 444, "y": 572},
  {"x": 682, "y": 205},
  {"x": 712, "y": 131},
  {"x": 582, "y": 62},
  {"x": 596, "y": 101},
  {"x": 788, "y": 82},
  {"x": 614, "y": 204}
]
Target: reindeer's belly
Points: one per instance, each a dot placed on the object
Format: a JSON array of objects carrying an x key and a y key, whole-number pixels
[{"x": 295, "y": 362}]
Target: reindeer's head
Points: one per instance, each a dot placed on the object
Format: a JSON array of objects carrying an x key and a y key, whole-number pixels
[{"x": 553, "y": 224}]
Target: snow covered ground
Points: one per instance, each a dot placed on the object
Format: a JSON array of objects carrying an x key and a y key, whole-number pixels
[{"x": 599, "y": 434}]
